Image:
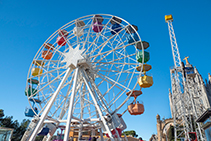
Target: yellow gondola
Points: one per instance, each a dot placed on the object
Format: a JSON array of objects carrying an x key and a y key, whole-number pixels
[
  {"x": 36, "y": 71},
  {"x": 145, "y": 81},
  {"x": 38, "y": 63}
]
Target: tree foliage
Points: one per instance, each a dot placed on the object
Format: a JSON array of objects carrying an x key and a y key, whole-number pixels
[
  {"x": 1, "y": 113},
  {"x": 18, "y": 129},
  {"x": 171, "y": 133},
  {"x": 39, "y": 138},
  {"x": 131, "y": 132}
]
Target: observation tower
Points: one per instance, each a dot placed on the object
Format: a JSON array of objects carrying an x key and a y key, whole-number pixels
[{"x": 188, "y": 96}]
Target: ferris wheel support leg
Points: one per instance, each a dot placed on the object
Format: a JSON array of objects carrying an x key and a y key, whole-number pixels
[
  {"x": 101, "y": 135},
  {"x": 125, "y": 136},
  {"x": 48, "y": 107},
  {"x": 101, "y": 132},
  {"x": 82, "y": 112},
  {"x": 49, "y": 138},
  {"x": 97, "y": 106},
  {"x": 71, "y": 102},
  {"x": 119, "y": 138}
]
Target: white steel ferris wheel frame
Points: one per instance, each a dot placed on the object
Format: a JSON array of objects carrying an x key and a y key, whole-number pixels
[{"x": 83, "y": 72}]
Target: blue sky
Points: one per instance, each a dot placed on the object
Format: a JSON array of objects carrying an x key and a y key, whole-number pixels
[{"x": 25, "y": 25}]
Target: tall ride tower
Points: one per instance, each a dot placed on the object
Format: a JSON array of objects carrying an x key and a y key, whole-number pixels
[{"x": 188, "y": 98}]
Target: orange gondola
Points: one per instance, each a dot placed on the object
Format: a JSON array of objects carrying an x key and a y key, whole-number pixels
[
  {"x": 135, "y": 93},
  {"x": 47, "y": 54},
  {"x": 136, "y": 108},
  {"x": 48, "y": 46}
]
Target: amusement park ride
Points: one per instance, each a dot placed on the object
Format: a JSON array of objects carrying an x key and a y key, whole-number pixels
[
  {"x": 188, "y": 98},
  {"x": 83, "y": 75}
]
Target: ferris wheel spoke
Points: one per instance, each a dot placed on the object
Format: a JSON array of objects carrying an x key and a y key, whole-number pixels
[
  {"x": 117, "y": 72},
  {"x": 97, "y": 37},
  {"x": 92, "y": 90},
  {"x": 102, "y": 45},
  {"x": 112, "y": 82},
  {"x": 112, "y": 42},
  {"x": 47, "y": 72},
  {"x": 116, "y": 65},
  {"x": 89, "y": 102},
  {"x": 99, "y": 94},
  {"x": 46, "y": 103},
  {"x": 117, "y": 79},
  {"x": 120, "y": 58},
  {"x": 50, "y": 82},
  {"x": 103, "y": 56},
  {"x": 87, "y": 38},
  {"x": 94, "y": 56},
  {"x": 119, "y": 95},
  {"x": 63, "y": 102},
  {"x": 57, "y": 51},
  {"x": 66, "y": 97},
  {"x": 46, "y": 97},
  {"x": 114, "y": 38},
  {"x": 96, "y": 104},
  {"x": 59, "y": 106}
]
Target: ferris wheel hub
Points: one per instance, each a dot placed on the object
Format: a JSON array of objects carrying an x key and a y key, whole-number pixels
[
  {"x": 72, "y": 56},
  {"x": 85, "y": 63}
]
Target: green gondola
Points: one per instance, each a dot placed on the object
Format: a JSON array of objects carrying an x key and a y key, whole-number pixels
[
  {"x": 139, "y": 56},
  {"x": 30, "y": 91}
]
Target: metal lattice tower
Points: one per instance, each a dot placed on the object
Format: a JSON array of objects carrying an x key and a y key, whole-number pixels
[{"x": 188, "y": 98}]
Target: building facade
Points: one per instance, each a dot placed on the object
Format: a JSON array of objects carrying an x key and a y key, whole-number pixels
[{"x": 201, "y": 90}]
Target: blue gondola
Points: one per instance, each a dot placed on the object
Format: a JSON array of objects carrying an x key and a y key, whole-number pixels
[
  {"x": 44, "y": 132},
  {"x": 131, "y": 38},
  {"x": 28, "y": 111},
  {"x": 115, "y": 28}
]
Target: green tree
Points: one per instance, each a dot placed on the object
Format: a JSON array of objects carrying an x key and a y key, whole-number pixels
[
  {"x": 18, "y": 129},
  {"x": 131, "y": 132},
  {"x": 39, "y": 138},
  {"x": 7, "y": 122},
  {"x": 1, "y": 113},
  {"x": 170, "y": 133}
]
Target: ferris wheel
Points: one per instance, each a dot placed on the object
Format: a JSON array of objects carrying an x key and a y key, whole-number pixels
[{"x": 83, "y": 74}]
